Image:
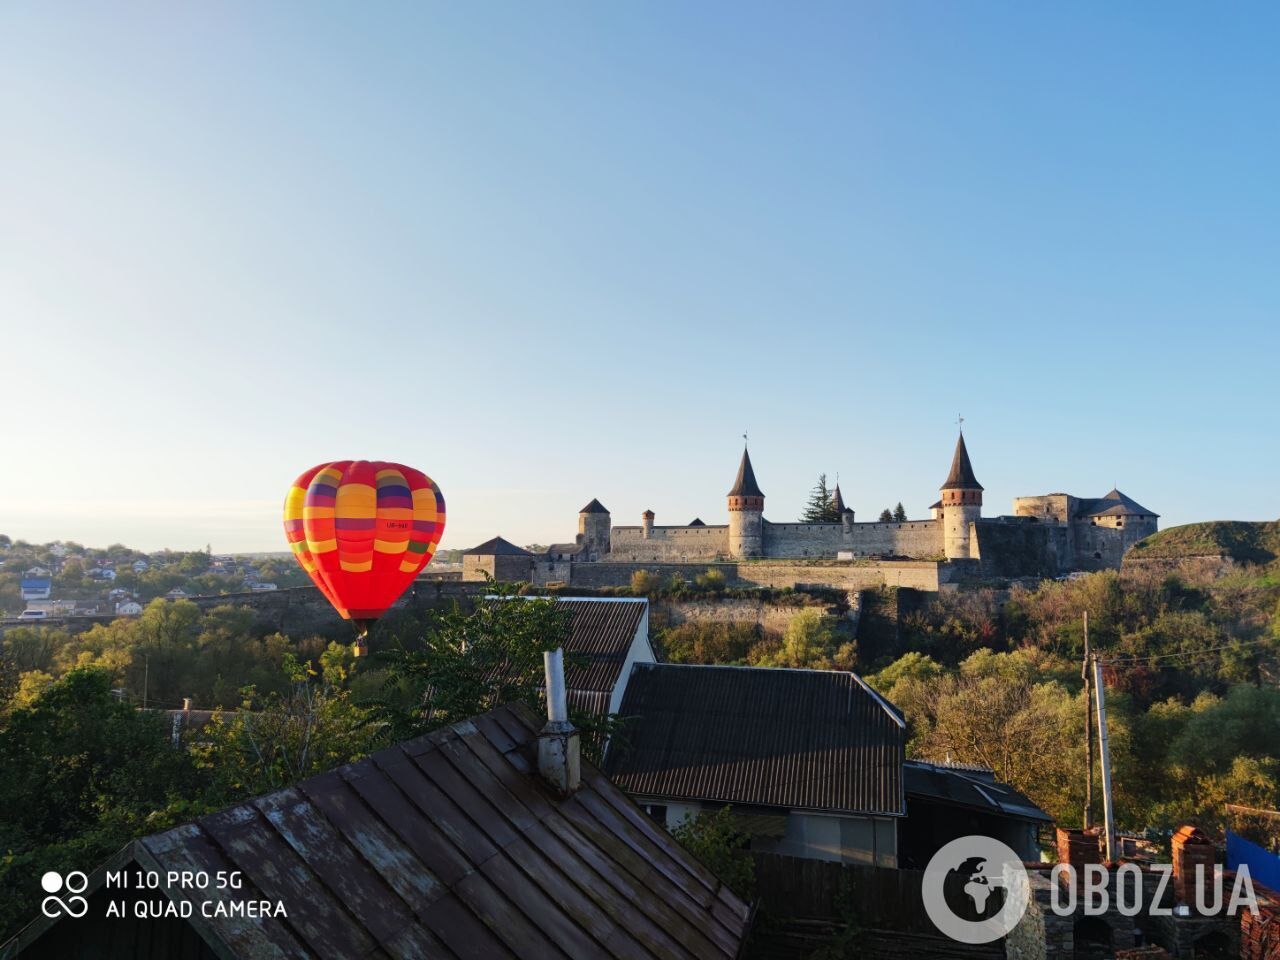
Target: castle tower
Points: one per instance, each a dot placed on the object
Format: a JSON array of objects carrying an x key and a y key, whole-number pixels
[
  {"x": 646, "y": 524},
  {"x": 845, "y": 513},
  {"x": 746, "y": 513},
  {"x": 961, "y": 504},
  {"x": 594, "y": 524}
]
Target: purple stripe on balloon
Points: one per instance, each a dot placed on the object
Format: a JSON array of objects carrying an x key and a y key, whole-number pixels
[
  {"x": 425, "y": 526},
  {"x": 394, "y": 502},
  {"x": 349, "y": 524},
  {"x": 392, "y": 490},
  {"x": 326, "y": 489},
  {"x": 319, "y": 500}
]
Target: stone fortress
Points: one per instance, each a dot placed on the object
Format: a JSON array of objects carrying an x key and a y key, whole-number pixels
[{"x": 1048, "y": 535}]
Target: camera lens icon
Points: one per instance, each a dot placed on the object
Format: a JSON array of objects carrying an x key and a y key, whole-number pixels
[{"x": 75, "y": 882}]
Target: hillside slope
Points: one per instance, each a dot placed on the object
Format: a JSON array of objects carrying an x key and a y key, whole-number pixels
[{"x": 1241, "y": 540}]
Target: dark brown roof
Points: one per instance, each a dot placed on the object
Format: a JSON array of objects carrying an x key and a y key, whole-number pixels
[
  {"x": 595, "y": 506},
  {"x": 961, "y": 476},
  {"x": 696, "y": 522},
  {"x": 971, "y": 787},
  {"x": 745, "y": 485},
  {"x": 600, "y": 635},
  {"x": 808, "y": 739},
  {"x": 838, "y": 500},
  {"x": 497, "y": 547},
  {"x": 450, "y": 846}
]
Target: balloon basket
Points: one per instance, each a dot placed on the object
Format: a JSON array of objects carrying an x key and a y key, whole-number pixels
[{"x": 360, "y": 648}]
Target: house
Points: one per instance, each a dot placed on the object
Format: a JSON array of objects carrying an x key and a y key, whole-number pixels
[
  {"x": 497, "y": 558},
  {"x": 141, "y": 566},
  {"x": 37, "y": 572},
  {"x": 36, "y": 588},
  {"x": 128, "y": 608},
  {"x": 811, "y": 763},
  {"x": 607, "y": 636},
  {"x": 116, "y": 594},
  {"x": 946, "y": 801},
  {"x": 809, "y": 760},
  {"x": 262, "y": 587},
  {"x": 177, "y": 593},
  {"x": 450, "y": 845},
  {"x": 53, "y": 608},
  {"x": 101, "y": 573}
]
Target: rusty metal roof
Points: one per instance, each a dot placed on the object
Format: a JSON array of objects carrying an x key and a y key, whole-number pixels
[
  {"x": 802, "y": 739},
  {"x": 450, "y": 846}
]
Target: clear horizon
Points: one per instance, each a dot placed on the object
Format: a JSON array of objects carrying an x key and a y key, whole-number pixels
[{"x": 551, "y": 255}]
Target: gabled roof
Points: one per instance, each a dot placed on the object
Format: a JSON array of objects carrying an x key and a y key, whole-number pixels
[
  {"x": 976, "y": 788},
  {"x": 601, "y": 632},
  {"x": 696, "y": 522},
  {"x": 497, "y": 547},
  {"x": 1116, "y": 504},
  {"x": 600, "y": 636},
  {"x": 800, "y": 739},
  {"x": 961, "y": 476},
  {"x": 745, "y": 485},
  {"x": 449, "y": 845},
  {"x": 595, "y": 506}
]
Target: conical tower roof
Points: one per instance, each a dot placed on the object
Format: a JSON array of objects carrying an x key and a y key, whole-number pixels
[
  {"x": 838, "y": 500},
  {"x": 745, "y": 485},
  {"x": 595, "y": 506},
  {"x": 961, "y": 476}
]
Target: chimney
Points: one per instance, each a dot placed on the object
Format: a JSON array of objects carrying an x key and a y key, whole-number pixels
[
  {"x": 1191, "y": 848},
  {"x": 559, "y": 749},
  {"x": 1079, "y": 848},
  {"x": 186, "y": 704}
]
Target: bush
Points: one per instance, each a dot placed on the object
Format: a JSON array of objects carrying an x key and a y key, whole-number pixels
[{"x": 715, "y": 840}]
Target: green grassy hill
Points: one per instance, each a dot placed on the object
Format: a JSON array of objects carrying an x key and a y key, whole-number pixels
[{"x": 1242, "y": 540}]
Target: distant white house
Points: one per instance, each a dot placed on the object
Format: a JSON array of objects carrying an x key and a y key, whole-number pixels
[
  {"x": 118, "y": 594},
  {"x": 36, "y": 588},
  {"x": 262, "y": 587},
  {"x": 129, "y": 608},
  {"x": 53, "y": 608},
  {"x": 177, "y": 593},
  {"x": 141, "y": 566},
  {"x": 58, "y": 550},
  {"x": 101, "y": 573},
  {"x": 37, "y": 572}
]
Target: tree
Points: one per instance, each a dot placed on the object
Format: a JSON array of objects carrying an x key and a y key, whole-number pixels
[
  {"x": 81, "y": 773},
  {"x": 886, "y": 515},
  {"x": 279, "y": 739},
  {"x": 811, "y": 643},
  {"x": 821, "y": 507},
  {"x": 716, "y": 840},
  {"x": 470, "y": 663},
  {"x": 900, "y": 512}
]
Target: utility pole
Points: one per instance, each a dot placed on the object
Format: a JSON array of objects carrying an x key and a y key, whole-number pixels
[
  {"x": 1104, "y": 755},
  {"x": 1088, "y": 730}
]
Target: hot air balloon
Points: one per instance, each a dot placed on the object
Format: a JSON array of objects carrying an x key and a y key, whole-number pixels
[{"x": 363, "y": 530}]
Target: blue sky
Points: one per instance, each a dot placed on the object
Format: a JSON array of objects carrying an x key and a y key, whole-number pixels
[{"x": 561, "y": 251}]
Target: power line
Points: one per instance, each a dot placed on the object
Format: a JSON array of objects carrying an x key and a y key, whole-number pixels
[{"x": 1189, "y": 653}]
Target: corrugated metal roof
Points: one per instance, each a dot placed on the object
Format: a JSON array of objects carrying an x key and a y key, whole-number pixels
[
  {"x": 968, "y": 787},
  {"x": 451, "y": 846},
  {"x": 600, "y": 634},
  {"x": 808, "y": 739}
]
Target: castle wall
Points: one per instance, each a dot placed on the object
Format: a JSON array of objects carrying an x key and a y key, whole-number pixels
[
  {"x": 1008, "y": 547},
  {"x": 851, "y": 575},
  {"x": 669, "y": 543},
  {"x": 912, "y": 538},
  {"x": 1058, "y": 507}
]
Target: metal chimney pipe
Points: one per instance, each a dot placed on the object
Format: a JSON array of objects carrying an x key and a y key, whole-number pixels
[
  {"x": 559, "y": 747},
  {"x": 557, "y": 700}
]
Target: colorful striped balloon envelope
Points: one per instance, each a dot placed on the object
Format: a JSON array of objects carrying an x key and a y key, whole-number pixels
[{"x": 363, "y": 530}]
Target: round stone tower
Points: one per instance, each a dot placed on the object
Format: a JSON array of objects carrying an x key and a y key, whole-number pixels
[
  {"x": 746, "y": 513},
  {"x": 961, "y": 505},
  {"x": 594, "y": 524},
  {"x": 646, "y": 524}
]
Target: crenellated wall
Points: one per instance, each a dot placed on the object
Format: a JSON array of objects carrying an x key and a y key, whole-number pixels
[{"x": 911, "y": 538}]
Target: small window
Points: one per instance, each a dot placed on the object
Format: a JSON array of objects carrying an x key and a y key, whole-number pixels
[{"x": 658, "y": 811}]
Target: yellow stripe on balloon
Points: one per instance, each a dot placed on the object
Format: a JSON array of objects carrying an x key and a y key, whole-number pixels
[
  {"x": 317, "y": 513},
  {"x": 350, "y": 567},
  {"x": 391, "y": 546},
  {"x": 322, "y": 546},
  {"x": 357, "y": 501}
]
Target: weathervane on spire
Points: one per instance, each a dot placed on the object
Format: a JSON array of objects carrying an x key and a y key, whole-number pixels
[
  {"x": 744, "y": 437},
  {"x": 960, "y": 421}
]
